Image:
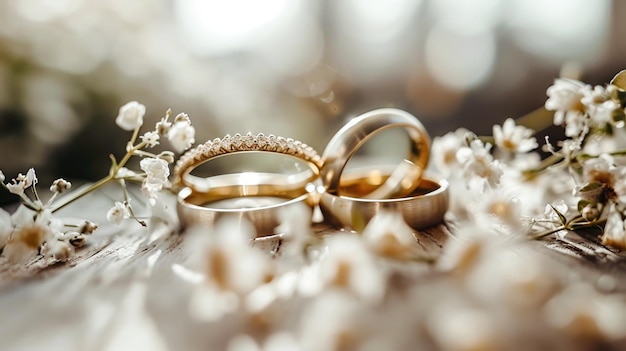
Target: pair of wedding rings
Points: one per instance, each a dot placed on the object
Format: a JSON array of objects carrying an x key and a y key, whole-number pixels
[{"x": 346, "y": 198}]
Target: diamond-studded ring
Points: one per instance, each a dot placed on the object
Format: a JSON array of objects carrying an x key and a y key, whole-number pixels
[
  {"x": 259, "y": 196},
  {"x": 243, "y": 143}
]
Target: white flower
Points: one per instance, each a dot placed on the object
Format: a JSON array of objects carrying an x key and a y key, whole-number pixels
[
  {"x": 181, "y": 135},
  {"x": 131, "y": 115},
  {"x": 30, "y": 231},
  {"x": 118, "y": 213},
  {"x": 499, "y": 208},
  {"x": 6, "y": 227},
  {"x": 31, "y": 178},
  {"x": 444, "y": 151},
  {"x": 16, "y": 188},
  {"x": 615, "y": 230},
  {"x": 564, "y": 97},
  {"x": 60, "y": 185},
  {"x": 599, "y": 105},
  {"x": 157, "y": 172},
  {"x": 295, "y": 224},
  {"x": 349, "y": 265},
  {"x": 514, "y": 138},
  {"x": 478, "y": 163},
  {"x": 22, "y": 182},
  {"x": 150, "y": 138},
  {"x": 388, "y": 235},
  {"x": 228, "y": 260},
  {"x": 581, "y": 311},
  {"x": 60, "y": 250},
  {"x": 2, "y": 177}
]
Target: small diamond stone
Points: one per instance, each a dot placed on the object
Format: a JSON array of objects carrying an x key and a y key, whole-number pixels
[{"x": 261, "y": 141}]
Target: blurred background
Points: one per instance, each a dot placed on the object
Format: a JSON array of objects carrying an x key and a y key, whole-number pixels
[{"x": 294, "y": 68}]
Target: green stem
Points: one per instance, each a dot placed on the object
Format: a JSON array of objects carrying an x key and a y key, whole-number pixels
[
  {"x": 543, "y": 234},
  {"x": 85, "y": 191},
  {"x": 104, "y": 180},
  {"x": 537, "y": 120}
]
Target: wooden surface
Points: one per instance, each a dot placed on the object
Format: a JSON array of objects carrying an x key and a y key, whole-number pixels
[{"x": 129, "y": 287}]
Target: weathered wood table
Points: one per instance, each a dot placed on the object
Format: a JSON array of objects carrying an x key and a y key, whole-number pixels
[{"x": 130, "y": 288}]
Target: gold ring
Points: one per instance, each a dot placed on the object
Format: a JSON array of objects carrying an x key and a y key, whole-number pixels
[
  {"x": 347, "y": 141},
  {"x": 263, "y": 212},
  {"x": 425, "y": 207},
  {"x": 244, "y": 143},
  {"x": 256, "y": 196}
]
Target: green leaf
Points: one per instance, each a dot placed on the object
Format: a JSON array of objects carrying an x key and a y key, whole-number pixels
[
  {"x": 584, "y": 203},
  {"x": 562, "y": 217},
  {"x": 620, "y": 80},
  {"x": 592, "y": 186}
]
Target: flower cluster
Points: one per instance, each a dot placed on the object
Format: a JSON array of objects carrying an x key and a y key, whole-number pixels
[
  {"x": 584, "y": 174},
  {"x": 368, "y": 291},
  {"x": 33, "y": 228}
]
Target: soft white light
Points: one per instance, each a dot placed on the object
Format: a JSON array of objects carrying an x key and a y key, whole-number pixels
[
  {"x": 460, "y": 61},
  {"x": 560, "y": 29},
  {"x": 219, "y": 26}
]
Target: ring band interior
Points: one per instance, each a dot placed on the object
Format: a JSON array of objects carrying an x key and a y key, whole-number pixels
[
  {"x": 347, "y": 141},
  {"x": 424, "y": 208}
]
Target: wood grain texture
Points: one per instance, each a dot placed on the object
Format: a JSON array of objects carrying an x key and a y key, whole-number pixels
[{"x": 126, "y": 288}]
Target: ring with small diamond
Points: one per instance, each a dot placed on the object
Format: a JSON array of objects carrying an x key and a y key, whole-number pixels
[{"x": 257, "y": 196}]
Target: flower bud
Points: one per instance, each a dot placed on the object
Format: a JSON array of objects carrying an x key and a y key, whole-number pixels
[
  {"x": 590, "y": 213},
  {"x": 131, "y": 116},
  {"x": 78, "y": 240},
  {"x": 88, "y": 227},
  {"x": 166, "y": 156},
  {"x": 182, "y": 117},
  {"x": 60, "y": 185}
]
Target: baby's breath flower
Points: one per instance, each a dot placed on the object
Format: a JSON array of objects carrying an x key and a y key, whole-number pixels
[
  {"x": 599, "y": 104},
  {"x": 16, "y": 188},
  {"x": 477, "y": 162},
  {"x": 615, "y": 230},
  {"x": 513, "y": 138},
  {"x": 501, "y": 208},
  {"x": 30, "y": 231},
  {"x": 182, "y": 135},
  {"x": 150, "y": 138},
  {"x": 564, "y": 97},
  {"x": 182, "y": 117},
  {"x": 6, "y": 227},
  {"x": 157, "y": 172},
  {"x": 131, "y": 115},
  {"x": 118, "y": 213},
  {"x": 444, "y": 151},
  {"x": 60, "y": 250},
  {"x": 30, "y": 178},
  {"x": 60, "y": 185},
  {"x": 349, "y": 265},
  {"x": 388, "y": 235}
]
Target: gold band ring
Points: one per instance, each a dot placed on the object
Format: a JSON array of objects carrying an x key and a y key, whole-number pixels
[
  {"x": 236, "y": 144},
  {"x": 425, "y": 207},
  {"x": 262, "y": 211},
  {"x": 256, "y": 196},
  {"x": 347, "y": 141}
]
